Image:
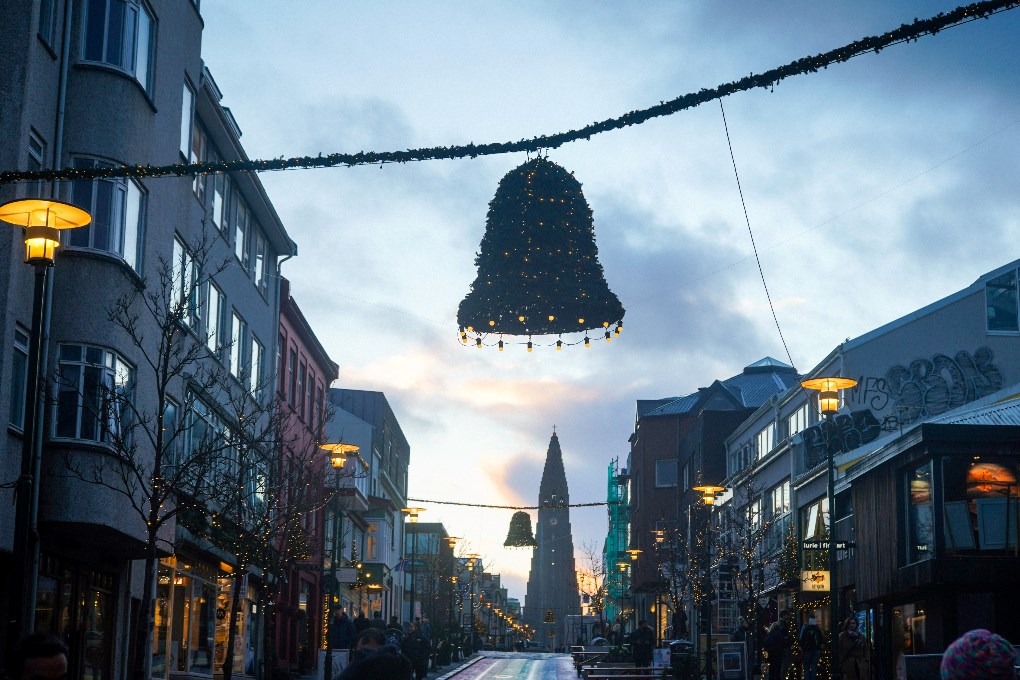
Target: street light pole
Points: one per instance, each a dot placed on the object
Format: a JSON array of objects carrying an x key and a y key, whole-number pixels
[
  {"x": 337, "y": 459},
  {"x": 41, "y": 220},
  {"x": 451, "y": 542},
  {"x": 828, "y": 401},
  {"x": 412, "y": 518},
  {"x": 708, "y": 495}
]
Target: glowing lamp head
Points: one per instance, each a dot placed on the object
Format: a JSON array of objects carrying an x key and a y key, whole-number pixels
[
  {"x": 338, "y": 452},
  {"x": 828, "y": 391},
  {"x": 709, "y": 492},
  {"x": 412, "y": 514},
  {"x": 500, "y": 345},
  {"x": 529, "y": 345},
  {"x": 559, "y": 345},
  {"x": 42, "y": 219},
  {"x": 633, "y": 552}
]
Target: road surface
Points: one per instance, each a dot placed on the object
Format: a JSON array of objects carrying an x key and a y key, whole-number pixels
[{"x": 518, "y": 665}]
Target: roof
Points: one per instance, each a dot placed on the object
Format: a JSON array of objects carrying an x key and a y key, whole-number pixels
[{"x": 748, "y": 389}]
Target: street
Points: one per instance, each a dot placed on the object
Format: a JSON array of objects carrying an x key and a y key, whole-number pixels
[{"x": 503, "y": 665}]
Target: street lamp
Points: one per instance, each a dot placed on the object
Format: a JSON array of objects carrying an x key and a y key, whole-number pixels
[
  {"x": 708, "y": 495},
  {"x": 338, "y": 452},
  {"x": 828, "y": 404},
  {"x": 42, "y": 220},
  {"x": 451, "y": 542},
  {"x": 471, "y": 592},
  {"x": 412, "y": 518}
]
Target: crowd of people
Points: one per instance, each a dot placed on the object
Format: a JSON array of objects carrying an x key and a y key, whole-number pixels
[{"x": 380, "y": 650}]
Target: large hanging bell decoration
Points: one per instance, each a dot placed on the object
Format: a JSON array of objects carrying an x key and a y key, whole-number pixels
[
  {"x": 538, "y": 266},
  {"x": 520, "y": 535}
]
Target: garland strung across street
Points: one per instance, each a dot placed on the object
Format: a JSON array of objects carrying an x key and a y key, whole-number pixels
[
  {"x": 514, "y": 507},
  {"x": 905, "y": 33}
]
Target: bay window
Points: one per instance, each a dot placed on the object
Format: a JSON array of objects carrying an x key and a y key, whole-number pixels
[
  {"x": 121, "y": 34},
  {"x": 117, "y": 209},
  {"x": 94, "y": 393}
]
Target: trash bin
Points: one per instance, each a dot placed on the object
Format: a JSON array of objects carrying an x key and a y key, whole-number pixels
[{"x": 683, "y": 664}]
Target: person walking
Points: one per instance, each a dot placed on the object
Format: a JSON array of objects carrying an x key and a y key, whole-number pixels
[
  {"x": 418, "y": 649},
  {"x": 854, "y": 653},
  {"x": 742, "y": 632},
  {"x": 642, "y": 642},
  {"x": 811, "y": 641},
  {"x": 360, "y": 621},
  {"x": 778, "y": 643},
  {"x": 38, "y": 656},
  {"x": 979, "y": 655}
]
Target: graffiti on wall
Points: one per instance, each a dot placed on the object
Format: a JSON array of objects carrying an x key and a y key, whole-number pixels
[{"x": 907, "y": 394}]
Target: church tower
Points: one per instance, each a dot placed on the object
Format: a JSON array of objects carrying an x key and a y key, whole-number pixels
[{"x": 552, "y": 584}]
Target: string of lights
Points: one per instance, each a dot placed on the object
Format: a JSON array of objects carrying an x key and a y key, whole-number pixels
[
  {"x": 768, "y": 79},
  {"x": 514, "y": 507}
]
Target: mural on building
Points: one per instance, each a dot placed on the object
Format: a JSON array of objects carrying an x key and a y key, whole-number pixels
[{"x": 905, "y": 395}]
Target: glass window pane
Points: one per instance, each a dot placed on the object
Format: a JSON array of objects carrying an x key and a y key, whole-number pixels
[
  {"x": 921, "y": 533},
  {"x": 143, "y": 49},
  {"x": 187, "y": 106},
  {"x": 19, "y": 378},
  {"x": 132, "y": 224},
  {"x": 1001, "y": 302},
  {"x": 95, "y": 29},
  {"x": 115, "y": 34}
]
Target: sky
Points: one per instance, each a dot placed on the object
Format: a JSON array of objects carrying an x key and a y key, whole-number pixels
[{"x": 872, "y": 188}]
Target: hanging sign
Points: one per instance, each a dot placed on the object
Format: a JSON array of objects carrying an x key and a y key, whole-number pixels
[{"x": 814, "y": 581}]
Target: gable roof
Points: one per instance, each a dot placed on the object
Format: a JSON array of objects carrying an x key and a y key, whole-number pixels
[{"x": 748, "y": 389}]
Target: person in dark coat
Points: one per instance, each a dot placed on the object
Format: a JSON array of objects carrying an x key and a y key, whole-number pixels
[
  {"x": 341, "y": 631},
  {"x": 377, "y": 621},
  {"x": 38, "y": 656},
  {"x": 360, "y": 621},
  {"x": 418, "y": 649},
  {"x": 642, "y": 642},
  {"x": 743, "y": 631},
  {"x": 777, "y": 643},
  {"x": 382, "y": 663}
]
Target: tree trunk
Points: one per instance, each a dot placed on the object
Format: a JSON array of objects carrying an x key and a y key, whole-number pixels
[
  {"x": 235, "y": 596},
  {"x": 146, "y": 614}
]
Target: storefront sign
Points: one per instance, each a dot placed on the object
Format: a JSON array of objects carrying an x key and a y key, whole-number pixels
[{"x": 814, "y": 581}]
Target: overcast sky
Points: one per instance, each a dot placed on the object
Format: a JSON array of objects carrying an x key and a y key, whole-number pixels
[{"x": 872, "y": 188}]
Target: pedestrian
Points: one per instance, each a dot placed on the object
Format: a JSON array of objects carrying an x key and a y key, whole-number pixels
[
  {"x": 426, "y": 628},
  {"x": 377, "y": 621},
  {"x": 368, "y": 641},
  {"x": 394, "y": 632},
  {"x": 642, "y": 642},
  {"x": 341, "y": 630},
  {"x": 854, "y": 652},
  {"x": 811, "y": 642},
  {"x": 742, "y": 632},
  {"x": 38, "y": 656},
  {"x": 418, "y": 649},
  {"x": 360, "y": 621},
  {"x": 979, "y": 655},
  {"x": 382, "y": 663},
  {"x": 778, "y": 643}
]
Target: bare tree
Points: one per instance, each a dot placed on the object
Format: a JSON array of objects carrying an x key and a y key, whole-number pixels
[
  {"x": 593, "y": 582},
  {"x": 172, "y": 428}
]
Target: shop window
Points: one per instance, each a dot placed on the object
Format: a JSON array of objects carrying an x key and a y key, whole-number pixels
[
  {"x": 186, "y": 614},
  {"x": 94, "y": 392},
  {"x": 920, "y": 518},
  {"x": 981, "y": 503}
]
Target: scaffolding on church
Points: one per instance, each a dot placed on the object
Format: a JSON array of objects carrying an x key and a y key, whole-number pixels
[{"x": 618, "y": 537}]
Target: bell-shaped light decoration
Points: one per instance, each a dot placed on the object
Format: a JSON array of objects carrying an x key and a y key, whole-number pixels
[
  {"x": 520, "y": 535},
  {"x": 538, "y": 266}
]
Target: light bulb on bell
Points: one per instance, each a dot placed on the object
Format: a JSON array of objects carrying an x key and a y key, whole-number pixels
[
  {"x": 478, "y": 343},
  {"x": 609, "y": 336},
  {"x": 529, "y": 345},
  {"x": 587, "y": 342},
  {"x": 559, "y": 345},
  {"x": 500, "y": 345}
]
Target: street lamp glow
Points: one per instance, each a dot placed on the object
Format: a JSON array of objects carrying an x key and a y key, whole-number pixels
[
  {"x": 42, "y": 220},
  {"x": 828, "y": 388},
  {"x": 709, "y": 492},
  {"x": 338, "y": 452}
]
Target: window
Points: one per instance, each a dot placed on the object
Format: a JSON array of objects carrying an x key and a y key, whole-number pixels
[
  {"x": 309, "y": 395},
  {"x": 116, "y": 206},
  {"x": 299, "y": 396},
  {"x": 255, "y": 374},
  {"x": 238, "y": 330},
  {"x": 171, "y": 441},
  {"x": 47, "y": 21},
  {"x": 93, "y": 394},
  {"x": 754, "y": 514},
  {"x": 241, "y": 226},
  {"x": 198, "y": 155},
  {"x": 219, "y": 205},
  {"x": 665, "y": 473},
  {"x": 765, "y": 440},
  {"x": 19, "y": 378},
  {"x": 797, "y": 421},
  {"x": 259, "y": 263},
  {"x": 281, "y": 346},
  {"x": 184, "y": 285},
  {"x": 1001, "y": 302},
  {"x": 36, "y": 161},
  {"x": 292, "y": 376},
  {"x": 980, "y": 508},
  {"x": 119, "y": 33},
  {"x": 187, "y": 120},
  {"x": 214, "y": 319},
  {"x": 921, "y": 519},
  {"x": 781, "y": 499}
]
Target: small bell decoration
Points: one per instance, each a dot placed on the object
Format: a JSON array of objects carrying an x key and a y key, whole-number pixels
[
  {"x": 520, "y": 535},
  {"x": 538, "y": 266}
]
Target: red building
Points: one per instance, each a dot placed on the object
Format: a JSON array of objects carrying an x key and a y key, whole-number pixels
[{"x": 304, "y": 374}]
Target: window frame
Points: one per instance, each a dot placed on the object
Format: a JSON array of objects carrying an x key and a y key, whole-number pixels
[
  {"x": 1009, "y": 285},
  {"x": 110, "y": 367},
  {"x": 662, "y": 474},
  {"x": 19, "y": 378},
  {"x": 767, "y": 432},
  {"x": 132, "y": 46},
  {"x": 187, "y": 119},
  {"x": 238, "y": 345},
  {"x": 127, "y": 199}
]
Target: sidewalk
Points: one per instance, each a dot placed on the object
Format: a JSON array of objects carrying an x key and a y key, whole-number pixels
[{"x": 453, "y": 668}]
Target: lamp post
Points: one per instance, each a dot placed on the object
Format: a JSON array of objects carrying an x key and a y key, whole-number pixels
[
  {"x": 828, "y": 404},
  {"x": 451, "y": 543},
  {"x": 708, "y": 495},
  {"x": 41, "y": 219},
  {"x": 471, "y": 597},
  {"x": 338, "y": 452},
  {"x": 412, "y": 518}
]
